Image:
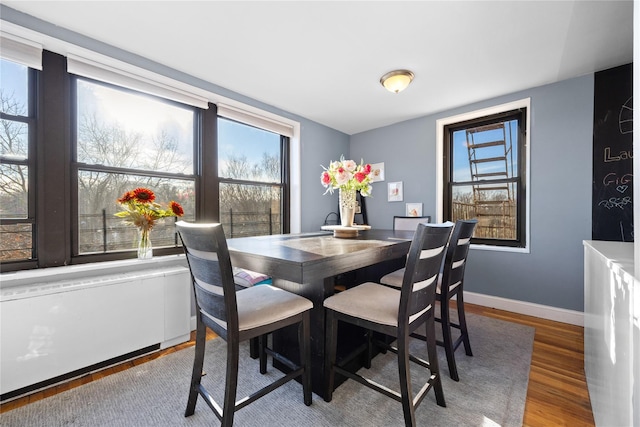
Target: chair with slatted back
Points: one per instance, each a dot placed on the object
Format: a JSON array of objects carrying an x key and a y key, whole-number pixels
[
  {"x": 237, "y": 316},
  {"x": 451, "y": 285},
  {"x": 397, "y": 313},
  {"x": 453, "y": 276}
]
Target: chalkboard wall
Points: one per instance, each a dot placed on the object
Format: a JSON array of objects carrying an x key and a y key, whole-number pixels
[{"x": 613, "y": 155}]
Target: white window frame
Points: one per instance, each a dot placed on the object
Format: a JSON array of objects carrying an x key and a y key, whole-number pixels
[{"x": 440, "y": 125}]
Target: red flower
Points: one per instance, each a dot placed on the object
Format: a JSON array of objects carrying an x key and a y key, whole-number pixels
[
  {"x": 144, "y": 195},
  {"x": 326, "y": 179},
  {"x": 126, "y": 197},
  {"x": 176, "y": 208},
  {"x": 360, "y": 176},
  {"x": 367, "y": 169}
]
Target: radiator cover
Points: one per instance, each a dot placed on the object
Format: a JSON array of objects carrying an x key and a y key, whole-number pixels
[{"x": 52, "y": 328}]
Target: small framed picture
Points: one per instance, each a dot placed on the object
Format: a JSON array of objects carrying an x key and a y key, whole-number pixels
[
  {"x": 377, "y": 172},
  {"x": 414, "y": 209},
  {"x": 394, "y": 191}
]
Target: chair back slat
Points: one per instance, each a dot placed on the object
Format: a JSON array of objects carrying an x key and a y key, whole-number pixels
[
  {"x": 423, "y": 265},
  {"x": 207, "y": 254},
  {"x": 456, "y": 257}
]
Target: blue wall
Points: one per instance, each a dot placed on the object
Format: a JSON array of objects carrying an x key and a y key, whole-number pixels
[{"x": 561, "y": 164}]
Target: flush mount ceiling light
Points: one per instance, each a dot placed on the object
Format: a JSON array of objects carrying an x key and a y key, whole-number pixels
[{"x": 397, "y": 80}]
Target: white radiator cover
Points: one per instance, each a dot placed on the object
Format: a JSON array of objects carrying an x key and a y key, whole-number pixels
[{"x": 55, "y": 327}]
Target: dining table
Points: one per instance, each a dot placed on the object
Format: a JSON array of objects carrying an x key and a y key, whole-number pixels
[{"x": 307, "y": 264}]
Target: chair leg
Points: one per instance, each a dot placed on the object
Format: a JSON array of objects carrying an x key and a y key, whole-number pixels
[
  {"x": 198, "y": 362},
  {"x": 229, "y": 408},
  {"x": 447, "y": 339},
  {"x": 304, "y": 338},
  {"x": 331, "y": 335},
  {"x": 262, "y": 344},
  {"x": 404, "y": 372},
  {"x": 432, "y": 353},
  {"x": 369, "y": 355},
  {"x": 253, "y": 348},
  {"x": 462, "y": 320}
]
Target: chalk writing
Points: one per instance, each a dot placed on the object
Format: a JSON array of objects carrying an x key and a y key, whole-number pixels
[
  {"x": 622, "y": 155},
  {"x": 613, "y": 178},
  {"x": 615, "y": 202},
  {"x": 622, "y": 188}
]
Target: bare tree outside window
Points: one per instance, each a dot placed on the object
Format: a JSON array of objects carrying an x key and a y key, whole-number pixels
[
  {"x": 16, "y": 231},
  {"x": 251, "y": 180},
  {"x": 150, "y": 145}
]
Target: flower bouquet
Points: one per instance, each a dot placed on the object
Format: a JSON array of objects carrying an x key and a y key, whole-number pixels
[
  {"x": 348, "y": 177},
  {"x": 141, "y": 210}
]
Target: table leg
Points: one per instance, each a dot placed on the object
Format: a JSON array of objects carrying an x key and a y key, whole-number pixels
[{"x": 286, "y": 341}]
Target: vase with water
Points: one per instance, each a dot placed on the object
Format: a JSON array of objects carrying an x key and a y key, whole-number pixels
[{"x": 145, "y": 250}]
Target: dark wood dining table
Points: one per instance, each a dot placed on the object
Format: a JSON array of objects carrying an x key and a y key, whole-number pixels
[{"x": 307, "y": 265}]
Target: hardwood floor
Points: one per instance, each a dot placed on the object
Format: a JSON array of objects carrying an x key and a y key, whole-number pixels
[{"x": 557, "y": 394}]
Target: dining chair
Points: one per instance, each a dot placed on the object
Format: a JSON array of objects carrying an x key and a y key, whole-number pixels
[
  {"x": 237, "y": 316},
  {"x": 408, "y": 223},
  {"x": 397, "y": 313},
  {"x": 453, "y": 276}
]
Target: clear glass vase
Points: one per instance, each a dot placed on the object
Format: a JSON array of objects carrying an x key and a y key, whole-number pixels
[
  {"x": 347, "y": 200},
  {"x": 145, "y": 250}
]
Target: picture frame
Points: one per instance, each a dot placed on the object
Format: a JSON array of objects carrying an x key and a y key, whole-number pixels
[
  {"x": 413, "y": 209},
  {"x": 394, "y": 191},
  {"x": 377, "y": 172}
]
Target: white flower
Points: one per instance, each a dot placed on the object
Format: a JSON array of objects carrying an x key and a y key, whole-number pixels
[
  {"x": 342, "y": 176},
  {"x": 349, "y": 165}
]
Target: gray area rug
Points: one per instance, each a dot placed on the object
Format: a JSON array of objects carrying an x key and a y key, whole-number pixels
[{"x": 491, "y": 392}]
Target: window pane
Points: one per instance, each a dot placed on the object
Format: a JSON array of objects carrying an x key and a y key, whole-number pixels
[
  {"x": 485, "y": 152},
  {"x": 14, "y": 88},
  {"x": 100, "y": 231},
  {"x": 493, "y": 205},
  {"x": 16, "y": 243},
  {"x": 125, "y": 129},
  {"x": 250, "y": 210},
  {"x": 14, "y": 195},
  {"x": 248, "y": 153},
  {"x": 14, "y": 140}
]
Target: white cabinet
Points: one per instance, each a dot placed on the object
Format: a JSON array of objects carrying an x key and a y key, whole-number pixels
[{"x": 612, "y": 333}]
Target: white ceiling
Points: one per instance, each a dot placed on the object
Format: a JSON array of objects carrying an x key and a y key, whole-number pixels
[{"x": 323, "y": 60}]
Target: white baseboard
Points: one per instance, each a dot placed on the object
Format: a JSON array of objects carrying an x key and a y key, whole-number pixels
[{"x": 571, "y": 317}]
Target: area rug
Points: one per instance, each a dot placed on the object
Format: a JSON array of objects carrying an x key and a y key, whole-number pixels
[{"x": 491, "y": 391}]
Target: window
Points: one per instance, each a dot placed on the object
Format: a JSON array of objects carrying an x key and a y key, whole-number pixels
[
  {"x": 484, "y": 169},
  {"x": 126, "y": 140},
  {"x": 76, "y": 134},
  {"x": 253, "y": 178},
  {"x": 17, "y": 118}
]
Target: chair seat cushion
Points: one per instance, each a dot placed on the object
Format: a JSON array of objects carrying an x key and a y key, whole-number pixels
[
  {"x": 369, "y": 301},
  {"x": 393, "y": 279},
  {"x": 262, "y": 305}
]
